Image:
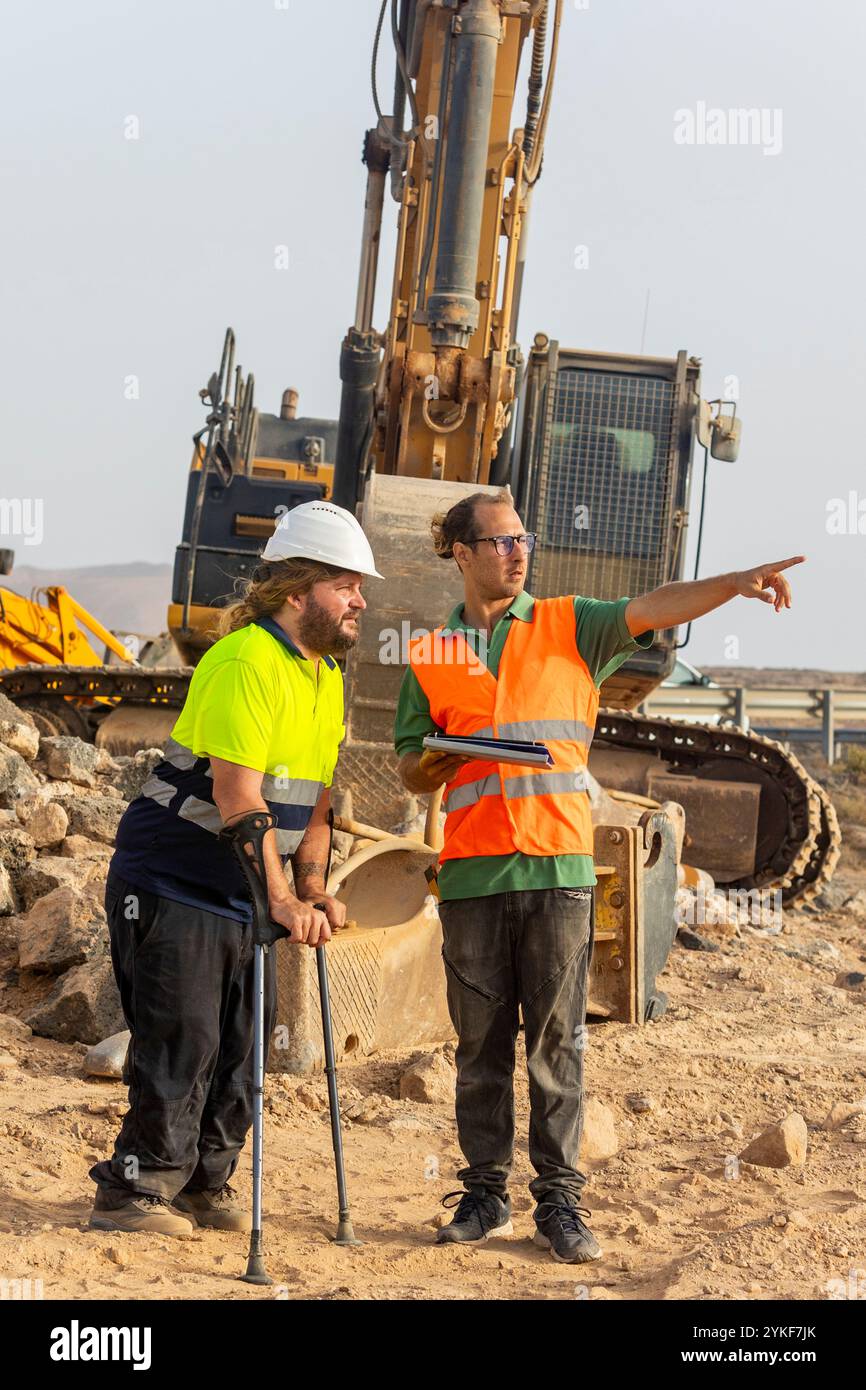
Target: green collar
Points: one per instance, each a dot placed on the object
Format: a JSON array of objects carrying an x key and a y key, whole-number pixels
[{"x": 521, "y": 608}]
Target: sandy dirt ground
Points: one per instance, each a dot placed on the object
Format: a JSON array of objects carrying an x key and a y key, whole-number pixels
[{"x": 753, "y": 1032}]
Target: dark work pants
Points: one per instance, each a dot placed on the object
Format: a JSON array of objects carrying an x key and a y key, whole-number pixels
[
  {"x": 527, "y": 950},
  {"x": 186, "y": 984}
]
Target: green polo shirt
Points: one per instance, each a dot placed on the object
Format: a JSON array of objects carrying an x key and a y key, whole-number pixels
[{"x": 604, "y": 642}]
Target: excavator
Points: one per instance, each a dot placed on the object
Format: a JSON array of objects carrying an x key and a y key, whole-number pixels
[
  {"x": 52, "y": 630},
  {"x": 597, "y": 450}
]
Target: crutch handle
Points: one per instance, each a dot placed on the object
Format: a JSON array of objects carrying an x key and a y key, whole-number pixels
[{"x": 246, "y": 838}]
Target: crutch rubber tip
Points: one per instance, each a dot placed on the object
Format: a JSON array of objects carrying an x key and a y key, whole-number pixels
[
  {"x": 256, "y": 1272},
  {"x": 345, "y": 1235}
]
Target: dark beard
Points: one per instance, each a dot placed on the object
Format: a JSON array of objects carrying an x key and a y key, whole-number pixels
[{"x": 322, "y": 633}]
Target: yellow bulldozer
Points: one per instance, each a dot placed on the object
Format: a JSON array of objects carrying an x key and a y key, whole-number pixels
[{"x": 597, "y": 450}]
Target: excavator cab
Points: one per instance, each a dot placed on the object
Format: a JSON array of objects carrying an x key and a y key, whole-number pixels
[
  {"x": 602, "y": 472},
  {"x": 248, "y": 467}
]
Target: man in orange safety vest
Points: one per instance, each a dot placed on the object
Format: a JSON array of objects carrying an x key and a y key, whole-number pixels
[{"x": 516, "y": 873}]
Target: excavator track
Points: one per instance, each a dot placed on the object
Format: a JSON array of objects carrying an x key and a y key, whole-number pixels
[
  {"x": 809, "y": 847},
  {"x": 800, "y": 865},
  {"x": 67, "y": 694},
  {"x": 140, "y": 684}
]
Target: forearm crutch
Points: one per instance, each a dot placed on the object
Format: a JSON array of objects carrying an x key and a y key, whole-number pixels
[
  {"x": 345, "y": 1235},
  {"x": 246, "y": 837}
]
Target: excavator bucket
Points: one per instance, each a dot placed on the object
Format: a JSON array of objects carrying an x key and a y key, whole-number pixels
[{"x": 387, "y": 984}]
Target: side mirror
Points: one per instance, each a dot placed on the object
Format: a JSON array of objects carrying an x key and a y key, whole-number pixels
[
  {"x": 7, "y": 560},
  {"x": 725, "y": 434}
]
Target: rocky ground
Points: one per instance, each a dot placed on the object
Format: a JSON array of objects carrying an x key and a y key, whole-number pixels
[{"x": 764, "y": 1039}]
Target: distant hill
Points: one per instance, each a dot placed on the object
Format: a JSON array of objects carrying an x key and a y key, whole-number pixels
[
  {"x": 785, "y": 676},
  {"x": 126, "y": 598}
]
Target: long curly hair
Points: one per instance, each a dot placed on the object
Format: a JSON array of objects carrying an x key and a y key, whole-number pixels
[{"x": 265, "y": 592}]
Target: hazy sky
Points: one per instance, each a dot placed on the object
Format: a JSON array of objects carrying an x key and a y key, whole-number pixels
[{"x": 127, "y": 257}]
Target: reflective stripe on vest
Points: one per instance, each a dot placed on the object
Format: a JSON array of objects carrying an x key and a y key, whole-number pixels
[
  {"x": 544, "y": 692},
  {"x": 544, "y": 729},
  {"x": 289, "y": 798},
  {"x": 178, "y": 756},
  {"x": 473, "y": 791},
  {"x": 535, "y": 784},
  {"x": 292, "y": 791},
  {"x": 160, "y": 791}
]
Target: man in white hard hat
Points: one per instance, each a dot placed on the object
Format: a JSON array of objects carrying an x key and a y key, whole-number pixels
[{"x": 260, "y": 730}]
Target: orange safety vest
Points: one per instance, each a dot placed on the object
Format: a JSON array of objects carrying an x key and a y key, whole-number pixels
[{"x": 544, "y": 691}]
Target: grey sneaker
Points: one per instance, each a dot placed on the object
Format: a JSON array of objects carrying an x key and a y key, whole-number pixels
[
  {"x": 478, "y": 1217},
  {"x": 561, "y": 1231}
]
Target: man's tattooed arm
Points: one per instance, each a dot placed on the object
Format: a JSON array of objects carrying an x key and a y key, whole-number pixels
[
  {"x": 311, "y": 869},
  {"x": 310, "y": 860}
]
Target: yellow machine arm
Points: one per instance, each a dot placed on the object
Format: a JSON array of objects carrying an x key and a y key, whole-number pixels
[
  {"x": 442, "y": 395},
  {"x": 51, "y": 633}
]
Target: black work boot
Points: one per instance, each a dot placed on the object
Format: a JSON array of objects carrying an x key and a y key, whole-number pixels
[
  {"x": 561, "y": 1231},
  {"x": 478, "y": 1217}
]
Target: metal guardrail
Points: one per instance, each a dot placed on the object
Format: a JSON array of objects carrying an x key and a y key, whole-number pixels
[{"x": 766, "y": 710}]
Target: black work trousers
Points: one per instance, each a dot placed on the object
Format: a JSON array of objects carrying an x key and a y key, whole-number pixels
[
  {"x": 185, "y": 977},
  {"x": 526, "y": 951}
]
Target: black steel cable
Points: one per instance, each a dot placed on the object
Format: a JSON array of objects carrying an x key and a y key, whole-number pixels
[
  {"x": 396, "y": 140},
  {"x": 536, "y": 81},
  {"x": 533, "y": 161}
]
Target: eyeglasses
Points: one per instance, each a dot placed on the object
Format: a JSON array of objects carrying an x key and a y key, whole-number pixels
[{"x": 505, "y": 544}]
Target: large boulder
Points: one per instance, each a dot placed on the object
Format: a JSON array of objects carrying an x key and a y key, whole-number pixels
[
  {"x": 13, "y": 1029},
  {"x": 17, "y": 729},
  {"x": 55, "y": 791},
  {"x": 105, "y": 764},
  {"x": 16, "y": 778},
  {"x": 8, "y": 896},
  {"x": 779, "y": 1146},
  {"x": 832, "y": 896},
  {"x": 79, "y": 847},
  {"x": 10, "y": 711},
  {"x": 95, "y": 817},
  {"x": 53, "y": 871},
  {"x": 46, "y": 822},
  {"x": 84, "y": 1005},
  {"x": 71, "y": 759},
  {"x": 22, "y": 738},
  {"x": 61, "y": 930},
  {"x": 135, "y": 771},
  {"x": 429, "y": 1079},
  {"x": 17, "y": 849}
]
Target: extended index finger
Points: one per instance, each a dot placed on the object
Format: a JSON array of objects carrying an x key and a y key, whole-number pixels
[{"x": 786, "y": 564}]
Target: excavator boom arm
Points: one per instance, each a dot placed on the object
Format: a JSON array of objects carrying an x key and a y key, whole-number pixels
[{"x": 439, "y": 402}]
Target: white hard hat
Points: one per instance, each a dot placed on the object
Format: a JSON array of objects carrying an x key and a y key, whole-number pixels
[{"x": 324, "y": 532}]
